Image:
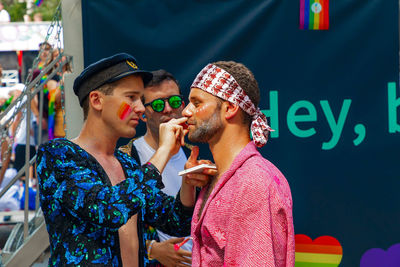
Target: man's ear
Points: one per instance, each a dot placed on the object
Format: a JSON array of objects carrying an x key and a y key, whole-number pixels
[
  {"x": 96, "y": 100},
  {"x": 230, "y": 110}
]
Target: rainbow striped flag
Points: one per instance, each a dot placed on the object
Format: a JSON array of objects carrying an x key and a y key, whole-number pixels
[
  {"x": 38, "y": 2},
  {"x": 314, "y": 14}
]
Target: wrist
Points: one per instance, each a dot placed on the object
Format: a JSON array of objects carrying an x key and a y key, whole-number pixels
[
  {"x": 164, "y": 150},
  {"x": 187, "y": 194},
  {"x": 150, "y": 245},
  {"x": 186, "y": 186}
]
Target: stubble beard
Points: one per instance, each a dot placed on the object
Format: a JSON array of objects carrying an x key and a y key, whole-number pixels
[{"x": 206, "y": 130}]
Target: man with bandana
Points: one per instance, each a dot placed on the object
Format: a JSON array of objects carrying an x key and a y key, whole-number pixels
[{"x": 244, "y": 217}]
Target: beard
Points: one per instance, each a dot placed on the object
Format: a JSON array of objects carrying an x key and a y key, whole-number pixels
[{"x": 205, "y": 130}]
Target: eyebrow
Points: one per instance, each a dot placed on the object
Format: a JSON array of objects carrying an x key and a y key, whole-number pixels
[
  {"x": 133, "y": 92},
  {"x": 193, "y": 98}
]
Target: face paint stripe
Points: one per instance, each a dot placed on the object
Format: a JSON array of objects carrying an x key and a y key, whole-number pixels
[{"x": 124, "y": 111}]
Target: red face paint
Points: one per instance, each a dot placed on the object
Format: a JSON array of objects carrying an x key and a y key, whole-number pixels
[{"x": 124, "y": 111}]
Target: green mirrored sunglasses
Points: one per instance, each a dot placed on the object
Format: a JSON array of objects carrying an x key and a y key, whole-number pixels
[{"x": 158, "y": 105}]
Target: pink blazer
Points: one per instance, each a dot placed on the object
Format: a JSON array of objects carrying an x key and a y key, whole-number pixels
[{"x": 247, "y": 219}]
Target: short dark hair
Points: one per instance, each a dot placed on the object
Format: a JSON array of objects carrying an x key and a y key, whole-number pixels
[
  {"x": 106, "y": 89},
  {"x": 245, "y": 78},
  {"x": 160, "y": 76}
]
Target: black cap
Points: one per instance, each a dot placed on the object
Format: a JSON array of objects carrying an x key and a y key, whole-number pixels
[{"x": 107, "y": 70}]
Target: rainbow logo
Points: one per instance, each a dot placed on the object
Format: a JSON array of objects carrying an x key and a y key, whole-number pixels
[
  {"x": 314, "y": 14},
  {"x": 124, "y": 111},
  {"x": 324, "y": 251}
]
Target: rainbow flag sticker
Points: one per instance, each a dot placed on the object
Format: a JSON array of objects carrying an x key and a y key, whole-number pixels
[
  {"x": 324, "y": 251},
  {"x": 38, "y": 2},
  {"x": 314, "y": 14}
]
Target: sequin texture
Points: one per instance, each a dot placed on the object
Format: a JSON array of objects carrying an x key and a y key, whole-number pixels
[{"x": 83, "y": 211}]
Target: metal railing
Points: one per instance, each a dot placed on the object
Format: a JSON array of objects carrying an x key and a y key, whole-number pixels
[
  {"x": 21, "y": 105},
  {"x": 29, "y": 239}
]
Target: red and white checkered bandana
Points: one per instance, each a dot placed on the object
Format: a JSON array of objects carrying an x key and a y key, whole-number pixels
[{"x": 218, "y": 82}]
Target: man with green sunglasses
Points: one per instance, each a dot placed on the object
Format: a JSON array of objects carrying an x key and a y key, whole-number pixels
[{"x": 163, "y": 102}]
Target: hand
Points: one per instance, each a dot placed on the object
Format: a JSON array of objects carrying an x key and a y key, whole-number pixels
[
  {"x": 165, "y": 253},
  {"x": 170, "y": 140},
  {"x": 198, "y": 179},
  {"x": 172, "y": 135}
]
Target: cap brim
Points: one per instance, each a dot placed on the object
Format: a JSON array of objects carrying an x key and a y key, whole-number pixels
[{"x": 146, "y": 76}]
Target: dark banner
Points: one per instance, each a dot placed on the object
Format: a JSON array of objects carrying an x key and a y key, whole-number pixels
[{"x": 328, "y": 73}]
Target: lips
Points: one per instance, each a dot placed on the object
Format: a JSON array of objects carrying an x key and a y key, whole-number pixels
[{"x": 136, "y": 120}]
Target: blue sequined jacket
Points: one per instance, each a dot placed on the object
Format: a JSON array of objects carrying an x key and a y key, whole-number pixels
[{"x": 83, "y": 211}]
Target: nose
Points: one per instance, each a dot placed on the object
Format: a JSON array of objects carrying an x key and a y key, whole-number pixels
[
  {"x": 167, "y": 108},
  {"x": 138, "y": 107},
  {"x": 188, "y": 110}
]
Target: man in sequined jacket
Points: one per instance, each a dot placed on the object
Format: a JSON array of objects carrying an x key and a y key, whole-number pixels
[{"x": 95, "y": 198}]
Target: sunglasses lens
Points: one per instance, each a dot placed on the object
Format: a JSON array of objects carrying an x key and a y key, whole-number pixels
[
  {"x": 158, "y": 105},
  {"x": 175, "y": 101}
]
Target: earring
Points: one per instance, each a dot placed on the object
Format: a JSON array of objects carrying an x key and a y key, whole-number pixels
[{"x": 143, "y": 116}]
